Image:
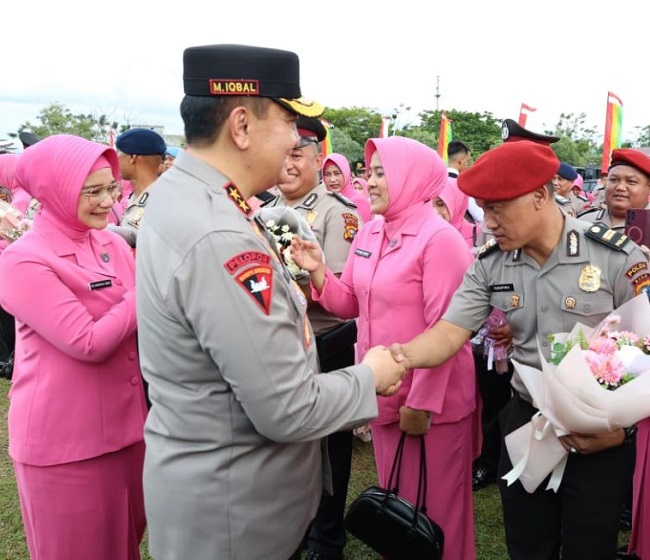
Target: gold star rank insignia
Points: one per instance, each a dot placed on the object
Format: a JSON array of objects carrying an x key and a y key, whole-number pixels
[{"x": 238, "y": 199}]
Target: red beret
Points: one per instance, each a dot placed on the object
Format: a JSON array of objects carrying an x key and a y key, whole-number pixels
[
  {"x": 633, "y": 158},
  {"x": 510, "y": 170}
]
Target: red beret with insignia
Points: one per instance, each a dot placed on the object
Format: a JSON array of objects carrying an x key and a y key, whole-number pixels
[
  {"x": 633, "y": 158},
  {"x": 510, "y": 170}
]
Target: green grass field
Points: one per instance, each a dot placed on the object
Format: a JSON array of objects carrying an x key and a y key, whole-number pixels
[{"x": 487, "y": 506}]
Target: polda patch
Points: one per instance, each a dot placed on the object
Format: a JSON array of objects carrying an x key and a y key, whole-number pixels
[{"x": 258, "y": 284}]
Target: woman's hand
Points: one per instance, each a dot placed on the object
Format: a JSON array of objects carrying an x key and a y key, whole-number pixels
[
  {"x": 414, "y": 422},
  {"x": 306, "y": 254}
]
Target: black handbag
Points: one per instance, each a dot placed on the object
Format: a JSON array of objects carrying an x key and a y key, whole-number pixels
[{"x": 390, "y": 524}]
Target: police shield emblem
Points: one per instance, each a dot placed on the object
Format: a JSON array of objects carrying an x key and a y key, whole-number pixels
[{"x": 589, "y": 280}]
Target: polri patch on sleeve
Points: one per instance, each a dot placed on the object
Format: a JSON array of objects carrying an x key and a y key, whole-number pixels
[
  {"x": 258, "y": 284},
  {"x": 351, "y": 226},
  {"x": 100, "y": 284},
  {"x": 638, "y": 267}
]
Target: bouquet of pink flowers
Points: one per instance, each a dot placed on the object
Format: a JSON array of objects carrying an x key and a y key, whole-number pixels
[{"x": 596, "y": 381}]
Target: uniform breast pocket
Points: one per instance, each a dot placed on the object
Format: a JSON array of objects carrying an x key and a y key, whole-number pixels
[
  {"x": 508, "y": 301},
  {"x": 588, "y": 305}
]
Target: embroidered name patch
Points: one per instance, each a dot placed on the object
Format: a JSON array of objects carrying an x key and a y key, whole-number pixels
[
  {"x": 258, "y": 284},
  {"x": 502, "y": 288},
  {"x": 363, "y": 253},
  {"x": 246, "y": 258},
  {"x": 234, "y": 87},
  {"x": 100, "y": 284}
]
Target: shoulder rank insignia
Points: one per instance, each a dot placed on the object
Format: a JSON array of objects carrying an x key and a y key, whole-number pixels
[
  {"x": 143, "y": 199},
  {"x": 608, "y": 237},
  {"x": 240, "y": 202},
  {"x": 341, "y": 198},
  {"x": 310, "y": 200},
  {"x": 490, "y": 247}
]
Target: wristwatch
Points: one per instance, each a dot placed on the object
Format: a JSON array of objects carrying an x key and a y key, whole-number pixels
[{"x": 630, "y": 434}]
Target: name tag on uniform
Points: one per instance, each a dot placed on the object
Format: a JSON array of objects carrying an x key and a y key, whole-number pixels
[
  {"x": 502, "y": 288},
  {"x": 363, "y": 253},
  {"x": 100, "y": 284}
]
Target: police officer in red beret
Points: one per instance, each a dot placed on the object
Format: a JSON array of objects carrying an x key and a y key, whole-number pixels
[
  {"x": 628, "y": 186},
  {"x": 546, "y": 271}
]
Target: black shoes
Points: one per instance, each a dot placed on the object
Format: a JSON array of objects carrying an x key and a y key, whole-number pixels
[{"x": 482, "y": 477}]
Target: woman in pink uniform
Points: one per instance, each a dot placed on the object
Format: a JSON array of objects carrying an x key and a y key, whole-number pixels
[
  {"x": 77, "y": 405},
  {"x": 399, "y": 278},
  {"x": 338, "y": 178}
]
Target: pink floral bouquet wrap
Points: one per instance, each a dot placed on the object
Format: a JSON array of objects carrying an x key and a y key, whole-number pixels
[{"x": 576, "y": 396}]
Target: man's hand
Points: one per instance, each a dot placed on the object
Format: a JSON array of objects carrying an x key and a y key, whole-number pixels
[
  {"x": 414, "y": 422},
  {"x": 388, "y": 373},
  {"x": 585, "y": 444}
]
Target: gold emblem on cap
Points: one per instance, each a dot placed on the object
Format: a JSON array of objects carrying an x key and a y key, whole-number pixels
[
  {"x": 570, "y": 302},
  {"x": 515, "y": 301},
  {"x": 589, "y": 280}
]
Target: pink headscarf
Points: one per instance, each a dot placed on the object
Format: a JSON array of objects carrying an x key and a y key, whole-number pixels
[
  {"x": 364, "y": 185},
  {"x": 457, "y": 202},
  {"x": 54, "y": 170},
  {"x": 348, "y": 191},
  {"x": 415, "y": 173},
  {"x": 8, "y": 170}
]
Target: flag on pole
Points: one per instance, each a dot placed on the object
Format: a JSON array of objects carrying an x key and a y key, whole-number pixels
[
  {"x": 326, "y": 145},
  {"x": 523, "y": 114},
  {"x": 613, "y": 125},
  {"x": 383, "y": 129},
  {"x": 445, "y": 137}
]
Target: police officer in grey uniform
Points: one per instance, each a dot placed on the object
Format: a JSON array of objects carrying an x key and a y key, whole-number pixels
[
  {"x": 335, "y": 222},
  {"x": 562, "y": 182},
  {"x": 140, "y": 151},
  {"x": 233, "y": 466},
  {"x": 546, "y": 271},
  {"x": 628, "y": 186}
]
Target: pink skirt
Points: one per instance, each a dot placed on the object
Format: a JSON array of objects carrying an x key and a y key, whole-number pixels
[
  {"x": 86, "y": 509},
  {"x": 449, "y": 455},
  {"x": 640, "y": 539}
]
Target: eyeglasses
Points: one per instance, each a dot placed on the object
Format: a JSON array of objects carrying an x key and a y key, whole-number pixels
[{"x": 96, "y": 195}]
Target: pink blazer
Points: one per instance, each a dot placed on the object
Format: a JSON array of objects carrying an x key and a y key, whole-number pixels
[
  {"x": 77, "y": 390},
  {"x": 398, "y": 290}
]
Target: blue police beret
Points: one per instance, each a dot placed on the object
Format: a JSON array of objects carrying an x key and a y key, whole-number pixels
[
  {"x": 172, "y": 151},
  {"x": 567, "y": 172},
  {"x": 141, "y": 142}
]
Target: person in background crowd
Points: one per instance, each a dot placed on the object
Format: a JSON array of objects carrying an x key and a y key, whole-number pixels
[
  {"x": 459, "y": 159},
  {"x": 234, "y": 434},
  {"x": 401, "y": 254},
  {"x": 361, "y": 185},
  {"x": 28, "y": 138},
  {"x": 77, "y": 406},
  {"x": 171, "y": 153},
  {"x": 338, "y": 179},
  {"x": 628, "y": 186},
  {"x": 140, "y": 153},
  {"x": 538, "y": 262},
  {"x": 563, "y": 183},
  {"x": 335, "y": 223}
]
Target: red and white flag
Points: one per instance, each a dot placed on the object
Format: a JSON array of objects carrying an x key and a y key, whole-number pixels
[{"x": 523, "y": 113}]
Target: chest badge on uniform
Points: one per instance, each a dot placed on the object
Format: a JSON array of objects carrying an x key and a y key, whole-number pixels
[
  {"x": 570, "y": 302},
  {"x": 135, "y": 215},
  {"x": 515, "y": 301},
  {"x": 311, "y": 217},
  {"x": 258, "y": 283},
  {"x": 589, "y": 280}
]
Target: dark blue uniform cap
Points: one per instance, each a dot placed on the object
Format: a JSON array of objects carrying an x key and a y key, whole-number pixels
[
  {"x": 141, "y": 142},
  {"x": 567, "y": 172},
  {"x": 512, "y": 131},
  {"x": 246, "y": 71}
]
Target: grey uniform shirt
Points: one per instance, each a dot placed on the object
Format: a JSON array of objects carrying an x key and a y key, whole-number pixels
[
  {"x": 582, "y": 281},
  {"x": 335, "y": 222},
  {"x": 130, "y": 222},
  {"x": 233, "y": 458}
]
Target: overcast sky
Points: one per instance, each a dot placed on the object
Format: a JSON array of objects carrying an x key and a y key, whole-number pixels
[{"x": 124, "y": 58}]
